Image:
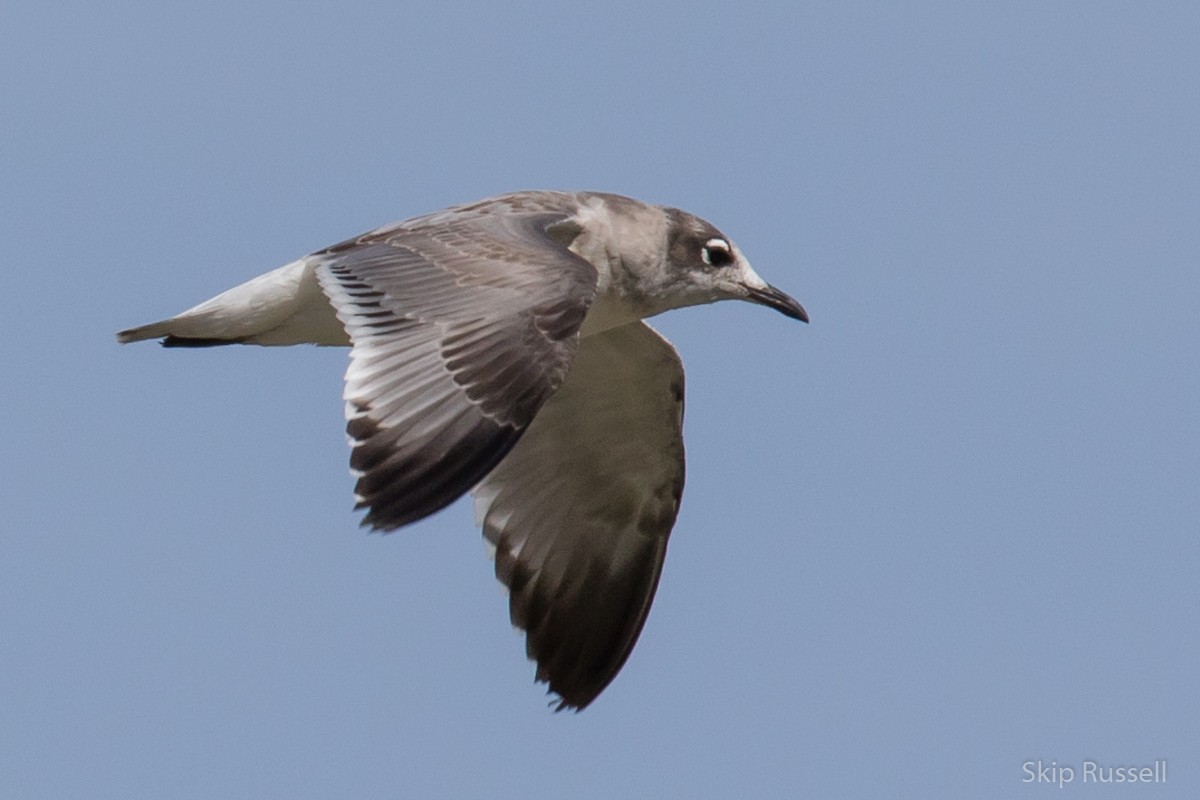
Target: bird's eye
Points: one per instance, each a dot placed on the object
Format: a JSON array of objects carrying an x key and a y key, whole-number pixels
[{"x": 716, "y": 253}]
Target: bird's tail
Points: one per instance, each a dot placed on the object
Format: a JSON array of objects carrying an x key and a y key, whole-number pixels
[
  {"x": 155, "y": 330},
  {"x": 283, "y": 307}
]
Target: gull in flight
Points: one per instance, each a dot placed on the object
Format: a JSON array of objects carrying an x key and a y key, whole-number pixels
[{"x": 498, "y": 347}]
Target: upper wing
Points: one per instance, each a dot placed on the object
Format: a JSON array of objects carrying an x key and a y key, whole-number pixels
[
  {"x": 580, "y": 510},
  {"x": 462, "y": 324}
]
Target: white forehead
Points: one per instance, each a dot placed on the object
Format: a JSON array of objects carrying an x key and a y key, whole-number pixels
[{"x": 747, "y": 273}]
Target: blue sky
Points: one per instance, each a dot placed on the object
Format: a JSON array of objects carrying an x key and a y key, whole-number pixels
[{"x": 948, "y": 528}]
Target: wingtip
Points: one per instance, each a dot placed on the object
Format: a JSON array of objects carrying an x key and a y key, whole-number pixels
[{"x": 559, "y": 703}]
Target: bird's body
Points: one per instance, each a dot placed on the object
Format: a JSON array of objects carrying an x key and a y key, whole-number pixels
[{"x": 498, "y": 347}]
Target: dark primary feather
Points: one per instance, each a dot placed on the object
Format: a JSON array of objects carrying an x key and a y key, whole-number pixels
[
  {"x": 581, "y": 508},
  {"x": 463, "y": 323}
]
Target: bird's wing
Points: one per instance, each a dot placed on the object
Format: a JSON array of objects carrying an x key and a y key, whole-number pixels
[
  {"x": 580, "y": 509},
  {"x": 462, "y": 323}
]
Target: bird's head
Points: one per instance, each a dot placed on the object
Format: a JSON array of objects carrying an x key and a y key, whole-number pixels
[{"x": 703, "y": 265}]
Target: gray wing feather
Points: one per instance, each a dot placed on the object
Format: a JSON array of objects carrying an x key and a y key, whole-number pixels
[
  {"x": 462, "y": 325},
  {"x": 580, "y": 510}
]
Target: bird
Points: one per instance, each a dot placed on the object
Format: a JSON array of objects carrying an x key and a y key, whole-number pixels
[{"x": 498, "y": 347}]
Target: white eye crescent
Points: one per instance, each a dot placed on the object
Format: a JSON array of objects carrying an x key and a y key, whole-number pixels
[{"x": 716, "y": 252}]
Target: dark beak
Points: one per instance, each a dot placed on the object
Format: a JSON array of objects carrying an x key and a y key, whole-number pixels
[{"x": 773, "y": 298}]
